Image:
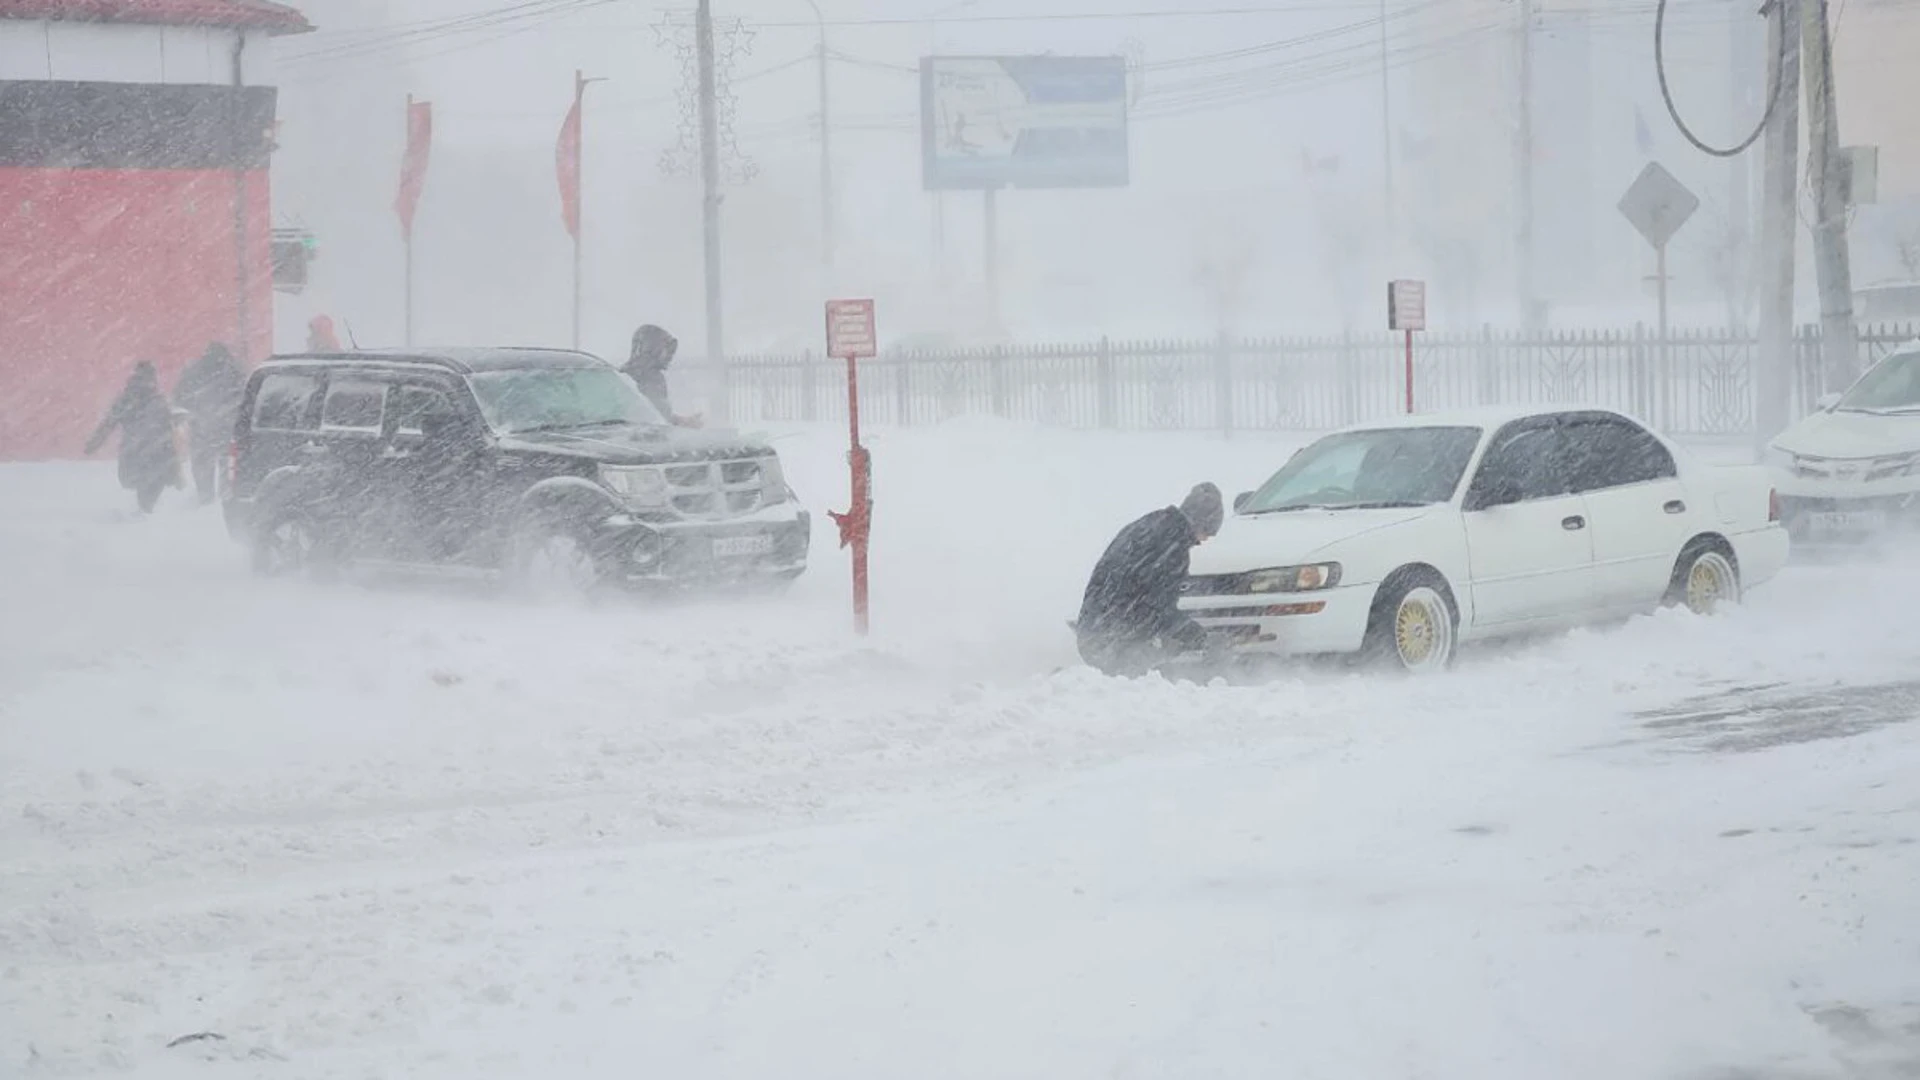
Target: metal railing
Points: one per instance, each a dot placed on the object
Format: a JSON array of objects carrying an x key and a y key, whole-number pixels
[{"x": 1694, "y": 383}]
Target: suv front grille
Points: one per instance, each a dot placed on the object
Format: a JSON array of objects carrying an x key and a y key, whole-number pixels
[{"x": 716, "y": 489}]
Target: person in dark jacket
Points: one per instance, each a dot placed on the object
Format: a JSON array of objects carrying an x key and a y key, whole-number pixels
[
  {"x": 647, "y": 363},
  {"x": 1130, "y": 621},
  {"x": 210, "y": 390},
  {"x": 148, "y": 462}
]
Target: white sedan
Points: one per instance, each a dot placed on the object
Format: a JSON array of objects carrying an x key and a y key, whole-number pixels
[
  {"x": 1399, "y": 540},
  {"x": 1853, "y": 468}
]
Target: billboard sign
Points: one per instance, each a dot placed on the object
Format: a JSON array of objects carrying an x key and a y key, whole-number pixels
[{"x": 1023, "y": 122}]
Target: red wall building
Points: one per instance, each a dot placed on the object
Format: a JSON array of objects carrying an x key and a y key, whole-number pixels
[{"x": 134, "y": 215}]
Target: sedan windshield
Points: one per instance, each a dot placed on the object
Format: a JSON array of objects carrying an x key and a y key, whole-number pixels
[
  {"x": 1367, "y": 469},
  {"x": 1892, "y": 386},
  {"x": 554, "y": 399}
]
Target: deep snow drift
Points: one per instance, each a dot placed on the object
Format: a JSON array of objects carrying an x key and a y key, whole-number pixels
[{"x": 399, "y": 829}]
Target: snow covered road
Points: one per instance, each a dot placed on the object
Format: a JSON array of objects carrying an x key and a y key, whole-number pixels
[{"x": 400, "y": 830}]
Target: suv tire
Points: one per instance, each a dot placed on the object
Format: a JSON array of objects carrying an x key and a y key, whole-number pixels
[
  {"x": 554, "y": 558},
  {"x": 292, "y": 544}
]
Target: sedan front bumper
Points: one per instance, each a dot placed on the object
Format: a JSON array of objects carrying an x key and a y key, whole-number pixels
[{"x": 1318, "y": 623}]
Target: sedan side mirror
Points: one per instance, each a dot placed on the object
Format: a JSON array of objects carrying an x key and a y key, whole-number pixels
[
  {"x": 1241, "y": 500},
  {"x": 1826, "y": 402}
]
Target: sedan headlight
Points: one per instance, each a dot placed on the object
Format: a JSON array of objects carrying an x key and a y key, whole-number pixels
[
  {"x": 1776, "y": 458},
  {"x": 639, "y": 485},
  {"x": 1294, "y": 578}
]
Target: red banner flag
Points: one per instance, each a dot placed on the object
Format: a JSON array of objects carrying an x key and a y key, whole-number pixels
[
  {"x": 566, "y": 163},
  {"x": 413, "y": 168}
]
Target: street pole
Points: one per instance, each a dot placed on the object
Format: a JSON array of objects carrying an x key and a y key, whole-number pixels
[
  {"x": 1778, "y": 218},
  {"x": 826, "y": 148},
  {"x": 991, "y": 247},
  {"x": 1742, "y": 67},
  {"x": 1523, "y": 241},
  {"x": 1838, "y": 349},
  {"x": 580, "y": 153},
  {"x": 1386, "y": 134},
  {"x": 710, "y": 182},
  {"x": 408, "y": 245},
  {"x": 243, "y": 276}
]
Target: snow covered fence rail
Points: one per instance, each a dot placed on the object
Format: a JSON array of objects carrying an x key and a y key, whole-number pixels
[{"x": 1695, "y": 383}]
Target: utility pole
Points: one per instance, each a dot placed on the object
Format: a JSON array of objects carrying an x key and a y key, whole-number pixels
[
  {"x": 1523, "y": 155},
  {"x": 990, "y": 214},
  {"x": 826, "y": 149},
  {"x": 1386, "y": 134},
  {"x": 1743, "y": 84},
  {"x": 1779, "y": 217},
  {"x": 710, "y": 180},
  {"x": 1838, "y": 349}
]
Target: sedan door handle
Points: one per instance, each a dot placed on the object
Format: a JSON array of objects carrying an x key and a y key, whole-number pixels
[
  {"x": 1675, "y": 507},
  {"x": 1574, "y": 523}
]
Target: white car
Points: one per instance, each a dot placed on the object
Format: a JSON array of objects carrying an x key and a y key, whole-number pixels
[
  {"x": 1402, "y": 539},
  {"x": 1853, "y": 467}
]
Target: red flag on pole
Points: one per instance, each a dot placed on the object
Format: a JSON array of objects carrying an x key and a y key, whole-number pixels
[
  {"x": 566, "y": 162},
  {"x": 413, "y": 168}
]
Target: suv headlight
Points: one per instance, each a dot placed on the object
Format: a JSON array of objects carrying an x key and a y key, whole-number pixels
[
  {"x": 639, "y": 485},
  {"x": 1295, "y": 578}
]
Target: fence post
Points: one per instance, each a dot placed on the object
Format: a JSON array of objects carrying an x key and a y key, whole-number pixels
[
  {"x": 809, "y": 392},
  {"x": 1638, "y": 375},
  {"x": 1486, "y": 373},
  {"x": 1223, "y": 384},
  {"x": 997, "y": 380},
  {"x": 1104, "y": 390},
  {"x": 903, "y": 388},
  {"x": 1349, "y": 379}
]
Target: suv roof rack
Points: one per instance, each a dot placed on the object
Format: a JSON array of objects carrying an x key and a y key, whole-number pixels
[{"x": 464, "y": 360}]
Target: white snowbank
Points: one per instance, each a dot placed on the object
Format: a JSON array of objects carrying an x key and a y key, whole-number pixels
[{"x": 405, "y": 830}]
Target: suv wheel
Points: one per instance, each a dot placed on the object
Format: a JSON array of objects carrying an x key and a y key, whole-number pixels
[
  {"x": 291, "y": 545},
  {"x": 556, "y": 560}
]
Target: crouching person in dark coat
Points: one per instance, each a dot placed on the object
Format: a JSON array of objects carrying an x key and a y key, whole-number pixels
[
  {"x": 210, "y": 390},
  {"x": 148, "y": 462},
  {"x": 1130, "y": 620}
]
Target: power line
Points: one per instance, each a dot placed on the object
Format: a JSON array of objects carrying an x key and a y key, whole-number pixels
[{"x": 1666, "y": 93}]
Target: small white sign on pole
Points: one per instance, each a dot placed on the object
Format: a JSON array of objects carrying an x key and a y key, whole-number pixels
[
  {"x": 1406, "y": 305},
  {"x": 850, "y": 330}
]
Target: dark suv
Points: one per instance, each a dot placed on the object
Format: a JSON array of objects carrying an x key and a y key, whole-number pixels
[{"x": 527, "y": 462}]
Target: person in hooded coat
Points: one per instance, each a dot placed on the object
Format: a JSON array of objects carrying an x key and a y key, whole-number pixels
[
  {"x": 1130, "y": 619},
  {"x": 210, "y": 390},
  {"x": 647, "y": 363},
  {"x": 148, "y": 462},
  {"x": 320, "y": 335}
]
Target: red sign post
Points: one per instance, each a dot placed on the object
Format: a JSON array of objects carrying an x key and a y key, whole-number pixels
[
  {"x": 851, "y": 337},
  {"x": 1407, "y": 310}
]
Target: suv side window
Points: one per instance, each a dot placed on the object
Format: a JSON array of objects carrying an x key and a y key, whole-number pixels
[
  {"x": 356, "y": 405},
  {"x": 1529, "y": 455},
  {"x": 1609, "y": 452},
  {"x": 283, "y": 402},
  {"x": 411, "y": 401}
]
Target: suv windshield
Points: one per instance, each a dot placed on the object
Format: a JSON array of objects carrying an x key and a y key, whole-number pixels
[
  {"x": 553, "y": 399},
  {"x": 1365, "y": 469},
  {"x": 1892, "y": 386}
]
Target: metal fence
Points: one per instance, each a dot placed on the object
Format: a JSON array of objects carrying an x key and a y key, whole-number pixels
[{"x": 1694, "y": 383}]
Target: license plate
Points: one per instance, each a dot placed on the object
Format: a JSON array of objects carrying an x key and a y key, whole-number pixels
[
  {"x": 1846, "y": 521},
  {"x": 740, "y": 547}
]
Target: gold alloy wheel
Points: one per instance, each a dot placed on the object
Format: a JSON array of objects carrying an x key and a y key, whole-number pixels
[
  {"x": 1423, "y": 630},
  {"x": 1711, "y": 581}
]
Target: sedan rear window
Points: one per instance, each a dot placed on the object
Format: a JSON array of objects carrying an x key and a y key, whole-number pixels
[{"x": 1413, "y": 466}]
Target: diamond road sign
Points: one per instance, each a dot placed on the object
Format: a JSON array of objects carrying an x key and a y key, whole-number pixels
[{"x": 1657, "y": 204}]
